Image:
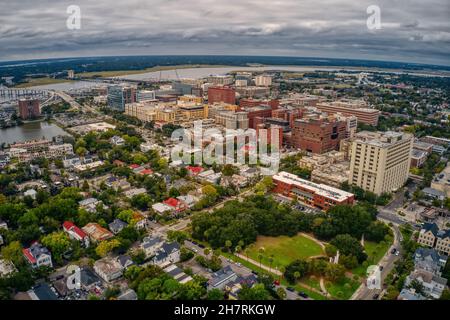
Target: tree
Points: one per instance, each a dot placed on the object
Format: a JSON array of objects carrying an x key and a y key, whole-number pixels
[
  {"x": 58, "y": 243},
  {"x": 334, "y": 272},
  {"x": 348, "y": 245},
  {"x": 295, "y": 270},
  {"x": 228, "y": 245},
  {"x": 257, "y": 292},
  {"x": 107, "y": 246},
  {"x": 215, "y": 294},
  {"x": 330, "y": 250},
  {"x": 13, "y": 252},
  {"x": 209, "y": 191},
  {"x": 281, "y": 293}
]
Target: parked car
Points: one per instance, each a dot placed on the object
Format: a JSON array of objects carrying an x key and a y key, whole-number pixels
[
  {"x": 381, "y": 268},
  {"x": 290, "y": 289},
  {"x": 302, "y": 294},
  {"x": 276, "y": 282},
  {"x": 375, "y": 296},
  {"x": 393, "y": 251}
]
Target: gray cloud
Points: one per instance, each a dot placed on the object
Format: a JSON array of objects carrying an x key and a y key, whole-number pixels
[{"x": 412, "y": 30}]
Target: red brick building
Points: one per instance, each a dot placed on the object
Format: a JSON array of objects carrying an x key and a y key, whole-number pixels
[
  {"x": 250, "y": 103},
  {"x": 268, "y": 133},
  {"x": 29, "y": 108},
  {"x": 255, "y": 112},
  {"x": 221, "y": 94},
  {"x": 314, "y": 194},
  {"x": 318, "y": 135}
]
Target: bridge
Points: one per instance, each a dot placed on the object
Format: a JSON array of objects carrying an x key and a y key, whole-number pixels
[{"x": 18, "y": 93}]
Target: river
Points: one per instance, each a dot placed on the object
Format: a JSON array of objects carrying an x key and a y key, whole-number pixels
[{"x": 30, "y": 131}]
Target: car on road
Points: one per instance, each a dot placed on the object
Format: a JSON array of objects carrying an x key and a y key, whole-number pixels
[
  {"x": 393, "y": 251},
  {"x": 276, "y": 282},
  {"x": 303, "y": 294},
  {"x": 375, "y": 296},
  {"x": 201, "y": 246},
  {"x": 397, "y": 253},
  {"x": 381, "y": 268},
  {"x": 238, "y": 264},
  {"x": 290, "y": 289}
]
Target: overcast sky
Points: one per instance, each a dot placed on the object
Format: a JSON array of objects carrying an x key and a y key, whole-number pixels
[{"x": 411, "y": 30}]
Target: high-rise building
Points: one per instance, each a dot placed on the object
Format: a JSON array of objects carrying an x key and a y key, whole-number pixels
[
  {"x": 380, "y": 161},
  {"x": 232, "y": 120},
  {"x": 355, "y": 108},
  {"x": 318, "y": 134},
  {"x": 118, "y": 96},
  {"x": 29, "y": 108},
  {"x": 221, "y": 94},
  {"x": 263, "y": 81}
]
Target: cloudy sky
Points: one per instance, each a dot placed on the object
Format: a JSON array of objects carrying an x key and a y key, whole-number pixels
[{"x": 411, "y": 30}]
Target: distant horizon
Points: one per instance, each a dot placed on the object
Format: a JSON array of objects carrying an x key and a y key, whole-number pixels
[{"x": 2, "y": 62}]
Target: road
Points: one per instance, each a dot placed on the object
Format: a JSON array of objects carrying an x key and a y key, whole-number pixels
[
  {"x": 387, "y": 262},
  {"x": 73, "y": 103}
]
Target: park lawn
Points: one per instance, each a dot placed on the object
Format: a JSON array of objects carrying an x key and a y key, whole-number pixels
[
  {"x": 284, "y": 249},
  {"x": 375, "y": 252},
  {"x": 298, "y": 286},
  {"x": 313, "y": 282},
  {"x": 343, "y": 289}
]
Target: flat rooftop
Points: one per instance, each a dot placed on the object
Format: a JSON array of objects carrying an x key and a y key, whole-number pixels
[{"x": 318, "y": 188}]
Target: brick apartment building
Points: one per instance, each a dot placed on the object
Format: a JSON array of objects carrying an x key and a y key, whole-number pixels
[
  {"x": 221, "y": 94},
  {"x": 256, "y": 112},
  {"x": 249, "y": 103},
  {"x": 318, "y": 135},
  {"x": 29, "y": 108},
  {"x": 313, "y": 194}
]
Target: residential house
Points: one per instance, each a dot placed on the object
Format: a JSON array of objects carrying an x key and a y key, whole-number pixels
[
  {"x": 125, "y": 261},
  {"x": 96, "y": 232},
  {"x": 221, "y": 278},
  {"x": 210, "y": 176},
  {"x": 38, "y": 256},
  {"x": 30, "y": 193},
  {"x": 108, "y": 268},
  {"x": 6, "y": 268},
  {"x": 76, "y": 233},
  {"x": 188, "y": 200},
  {"x": 168, "y": 253},
  {"x": 443, "y": 242},
  {"x": 410, "y": 294},
  {"x": 129, "y": 294},
  {"x": 90, "y": 204},
  {"x": 433, "y": 285},
  {"x": 134, "y": 192},
  {"x": 194, "y": 170},
  {"x": 150, "y": 245},
  {"x": 117, "y": 141},
  {"x": 429, "y": 260},
  {"x": 117, "y": 225},
  {"x": 71, "y": 161},
  {"x": 428, "y": 234},
  {"x": 161, "y": 208},
  {"x": 42, "y": 292},
  {"x": 175, "y": 204},
  {"x": 177, "y": 274}
]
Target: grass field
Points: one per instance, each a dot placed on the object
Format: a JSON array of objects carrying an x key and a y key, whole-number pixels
[
  {"x": 342, "y": 290},
  {"x": 40, "y": 82},
  {"x": 119, "y": 73},
  {"x": 375, "y": 251},
  {"x": 284, "y": 249}
]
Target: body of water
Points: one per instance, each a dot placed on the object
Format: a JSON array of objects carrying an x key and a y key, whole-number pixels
[{"x": 30, "y": 131}]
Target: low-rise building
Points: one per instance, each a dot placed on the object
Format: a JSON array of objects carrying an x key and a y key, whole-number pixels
[
  {"x": 314, "y": 194},
  {"x": 38, "y": 256},
  {"x": 76, "y": 233},
  {"x": 117, "y": 225},
  {"x": 96, "y": 232},
  {"x": 108, "y": 268}
]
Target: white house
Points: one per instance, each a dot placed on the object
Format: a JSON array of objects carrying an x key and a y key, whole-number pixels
[{"x": 38, "y": 256}]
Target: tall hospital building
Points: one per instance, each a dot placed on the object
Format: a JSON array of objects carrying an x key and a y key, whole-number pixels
[{"x": 380, "y": 160}]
